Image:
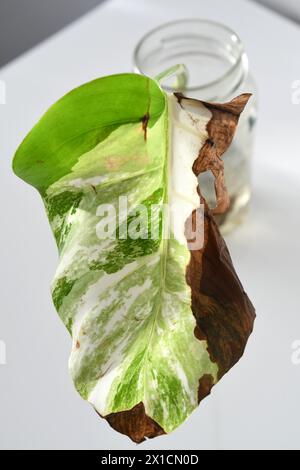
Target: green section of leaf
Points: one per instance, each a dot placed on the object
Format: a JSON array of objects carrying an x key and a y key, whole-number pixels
[
  {"x": 79, "y": 121},
  {"x": 62, "y": 289},
  {"x": 127, "y": 249},
  {"x": 62, "y": 203}
]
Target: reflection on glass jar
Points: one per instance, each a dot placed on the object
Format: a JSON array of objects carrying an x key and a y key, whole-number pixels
[{"x": 217, "y": 70}]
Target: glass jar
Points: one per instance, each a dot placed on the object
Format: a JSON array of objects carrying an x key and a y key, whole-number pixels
[{"x": 217, "y": 70}]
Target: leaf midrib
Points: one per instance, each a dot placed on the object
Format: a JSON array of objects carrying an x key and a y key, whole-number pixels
[{"x": 164, "y": 251}]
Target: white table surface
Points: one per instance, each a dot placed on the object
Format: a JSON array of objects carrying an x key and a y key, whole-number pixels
[{"x": 257, "y": 404}]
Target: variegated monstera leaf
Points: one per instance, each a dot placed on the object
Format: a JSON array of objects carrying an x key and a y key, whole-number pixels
[{"x": 154, "y": 323}]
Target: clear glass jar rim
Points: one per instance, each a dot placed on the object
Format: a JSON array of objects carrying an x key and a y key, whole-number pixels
[{"x": 241, "y": 59}]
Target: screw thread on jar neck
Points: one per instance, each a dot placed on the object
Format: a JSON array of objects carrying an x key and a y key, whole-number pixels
[{"x": 213, "y": 55}]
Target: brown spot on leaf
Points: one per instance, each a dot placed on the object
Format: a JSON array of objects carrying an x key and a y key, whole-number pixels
[
  {"x": 180, "y": 96},
  {"x": 115, "y": 162},
  {"x": 145, "y": 120},
  {"x": 205, "y": 385},
  {"x": 77, "y": 345},
  {"x": 199, "y": 334}
]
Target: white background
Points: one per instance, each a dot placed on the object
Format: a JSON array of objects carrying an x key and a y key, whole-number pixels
[{"x": 256, "y": 405}]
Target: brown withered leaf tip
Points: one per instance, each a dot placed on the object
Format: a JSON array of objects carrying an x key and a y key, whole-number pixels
[
  {"x": 223, "y": 312},
  {"x": 135, "y": 424}
]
